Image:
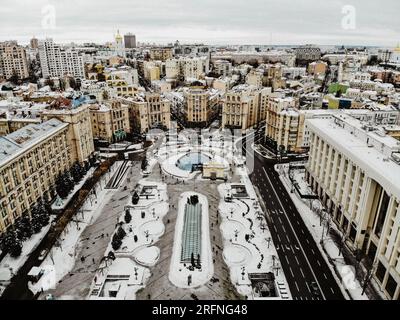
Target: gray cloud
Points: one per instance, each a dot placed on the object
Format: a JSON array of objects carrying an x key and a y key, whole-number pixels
[{"x": 208, "y": 21}]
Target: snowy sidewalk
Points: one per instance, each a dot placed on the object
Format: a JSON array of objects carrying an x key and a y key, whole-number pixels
[{"x": 87, "y": 236}]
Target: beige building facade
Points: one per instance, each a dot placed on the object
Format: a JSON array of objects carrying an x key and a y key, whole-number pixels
[
  {"x": 161, "y": 53},
  {"x": 13, "y": 60},
  {"x": 31, "y": 160},
  {"x": 240, "y": 108},
  {"x": 110, "y": 121},
  {"x": 356, "y": 175},
  {"x": 200, "y": 106},
  {"x": 284, "y": 124},
  {"x": 80, "y": 135},
  {"x": 147, "y": 111}
]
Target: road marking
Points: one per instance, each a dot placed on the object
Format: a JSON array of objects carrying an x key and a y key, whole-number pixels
[
  {"x": 298, "y": 241},
  {"x": 297, "y": 260},
  {"x": 325, "y": 276},
  {"x": 297, "y": 286},
  {"x": 312, "y": 250},
  {"x": 301, "y": 270},
  {"x": 318, "y": 263},
  {"x": 286, "y": 258},
  {"x": 291, "y": 271},
  {"x": 332, "y": 291}
]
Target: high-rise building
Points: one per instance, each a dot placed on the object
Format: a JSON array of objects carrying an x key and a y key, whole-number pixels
[
  {"x": 58, "y": 62},
  {"x": 130, "y": 41},
  {"x": 355, "y": 172},
  {"x": 13, "y": 60}
]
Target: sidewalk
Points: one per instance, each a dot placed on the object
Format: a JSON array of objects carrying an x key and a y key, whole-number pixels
[{"x": 92, "y": 241}]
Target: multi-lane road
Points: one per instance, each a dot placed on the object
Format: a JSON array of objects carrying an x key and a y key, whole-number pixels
[{"x": 306, "y": 271}]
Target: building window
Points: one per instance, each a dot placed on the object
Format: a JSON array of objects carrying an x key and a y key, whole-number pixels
[
  {"x": 382, "y": 214},
  {"x": 380, "y": 272},
  {"x": 391, "y": 286},
  {"x": 372, "y": 251}
]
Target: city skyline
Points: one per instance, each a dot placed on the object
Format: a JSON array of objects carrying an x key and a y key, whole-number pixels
[{"x": 206, "y": 22}]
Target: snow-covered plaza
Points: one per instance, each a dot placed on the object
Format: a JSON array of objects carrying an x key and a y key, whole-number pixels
[{"x": 186, "y": 225}]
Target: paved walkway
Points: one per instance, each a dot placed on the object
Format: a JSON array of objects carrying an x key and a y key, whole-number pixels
[
  {"x": 92, "y": 245},
  {"x": 159, "y": 287}
]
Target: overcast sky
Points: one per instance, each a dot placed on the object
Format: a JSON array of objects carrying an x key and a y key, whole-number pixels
[{"x": 208, "y": 21}]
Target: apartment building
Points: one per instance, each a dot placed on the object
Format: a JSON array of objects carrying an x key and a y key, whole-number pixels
[
  {"x": 31, "y": 159},
  {"x": 255, "y": 78},
  {"x": 187, "y": 67},
  {"x": 223, "y": 68},
  {"x": 307, "y": 53},
  {"x": 123, "y": 81},
  {"x": 293, "y": 72},
  {"x": 58, "y": 62},
  {"x": 240, "y": 108},
  {"x": 283, "y": 124},
  {"x": 80, "y": 135},
  {"x": 201, "y": 106},
  {"x": 110, "y": 121},
  {"x": 317, "y": 68},
  {"x": 13, "y": 60},
  {"x": 355, "y": 172},
  {"x": 265, "y": 93},
  {"x": 161, "y": 53},
  {"x": 148, "y": 111},
  {"x": 151, "y": 71}
]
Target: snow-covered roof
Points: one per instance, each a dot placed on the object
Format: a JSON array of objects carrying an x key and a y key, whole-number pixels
[
  {"x": 374, "y": 161},
  {"x": 18, "y": 142}
]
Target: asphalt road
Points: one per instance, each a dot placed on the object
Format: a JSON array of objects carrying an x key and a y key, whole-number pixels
[{"x": 301, "y": 260}]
